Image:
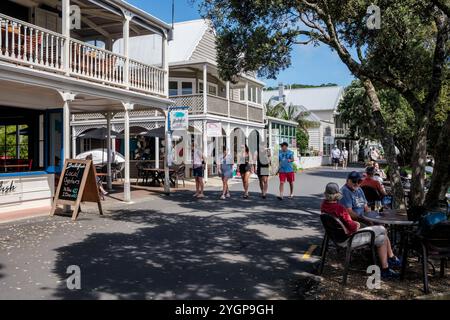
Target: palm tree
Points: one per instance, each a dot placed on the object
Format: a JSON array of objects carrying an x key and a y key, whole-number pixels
[
  {"x": 274, "y": 110},
  {"x": 299, "y": 115}
]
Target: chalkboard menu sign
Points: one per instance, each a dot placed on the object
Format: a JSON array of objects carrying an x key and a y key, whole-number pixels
[
  {"x": 77, "y": 184},
  {"x": 71, "y": 181}
]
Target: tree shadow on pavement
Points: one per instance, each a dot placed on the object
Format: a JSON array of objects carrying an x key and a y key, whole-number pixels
[
  {"x": 333, "y": 174},
  {"x": 225, "y": 254}
]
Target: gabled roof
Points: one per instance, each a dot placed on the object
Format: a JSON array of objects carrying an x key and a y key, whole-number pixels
[
  {"x": 313, "y": 99},
  {"x": 148, "y": 48},
  {"x": 186, "y": 36}
]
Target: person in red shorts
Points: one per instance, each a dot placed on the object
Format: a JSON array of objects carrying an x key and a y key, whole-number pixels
[{"x": 286, "y": 169}]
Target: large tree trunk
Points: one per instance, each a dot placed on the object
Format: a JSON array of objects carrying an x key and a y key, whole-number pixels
[
  {"x": 387, "y": 141},
  {"x": 418, "y": 162},
  {"x": 440, "y": 179}
]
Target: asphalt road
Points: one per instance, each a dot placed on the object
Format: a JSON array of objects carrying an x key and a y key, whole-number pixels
[{"x": 173, "y": 247}]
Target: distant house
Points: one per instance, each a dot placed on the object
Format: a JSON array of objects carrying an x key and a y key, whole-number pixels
[{"x": 322, "y": 103}]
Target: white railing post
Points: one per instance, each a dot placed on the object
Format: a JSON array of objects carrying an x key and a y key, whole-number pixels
[{"x": 66, "y": 34}]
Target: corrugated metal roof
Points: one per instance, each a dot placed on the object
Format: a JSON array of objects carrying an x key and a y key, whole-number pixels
[{"x": 313, "y": 99}]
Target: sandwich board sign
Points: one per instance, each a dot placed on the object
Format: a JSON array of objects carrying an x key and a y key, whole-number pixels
[{"x": 77, "y": 184}]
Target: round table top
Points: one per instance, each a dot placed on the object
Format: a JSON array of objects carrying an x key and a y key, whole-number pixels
[{"x": 389, "y": 216}]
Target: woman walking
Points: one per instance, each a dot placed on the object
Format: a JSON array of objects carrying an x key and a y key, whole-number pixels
[
  {"x": 226, "y": 172},
  {"x": 198, "y": 172},
  {"x": 262, "y": 171},
  {"x": 245, "y": 169}
]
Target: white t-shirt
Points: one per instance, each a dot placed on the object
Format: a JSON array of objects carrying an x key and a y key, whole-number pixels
[
  {"x": 198, "y": 158},
  {"x": 345, "y": 154},
  {"x": 335, "y": 153}
]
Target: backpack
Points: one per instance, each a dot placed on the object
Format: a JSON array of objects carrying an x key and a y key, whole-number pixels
[{"x": 431, "y": 219}]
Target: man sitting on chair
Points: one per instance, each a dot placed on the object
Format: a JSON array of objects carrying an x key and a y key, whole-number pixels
[{"x": 387, "y": 258}]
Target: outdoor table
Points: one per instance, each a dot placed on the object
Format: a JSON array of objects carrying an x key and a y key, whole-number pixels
[
  {"x": 389, "y": 217},
  {"x": 396, "y": 219},
  {"x": 158, "y": 175}
]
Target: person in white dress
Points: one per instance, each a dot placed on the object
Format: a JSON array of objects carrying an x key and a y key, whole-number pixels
[{"x": 344, "y": 158}]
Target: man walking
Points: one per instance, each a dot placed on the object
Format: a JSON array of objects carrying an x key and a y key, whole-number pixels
[
  {"x": 286, "y": 169},
  {"x": 335, "y": 156}
]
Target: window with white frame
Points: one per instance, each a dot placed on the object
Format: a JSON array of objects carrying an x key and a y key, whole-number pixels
[
  {"x": 213, "y": 89},
  {"x": 242, "y": 94},
  {"x": 179, "y": 87}
]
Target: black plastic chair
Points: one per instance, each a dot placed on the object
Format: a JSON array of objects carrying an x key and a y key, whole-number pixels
[
  {"x": 179, "y": 174},
  {"x": 371, "y": 195},
  {"x": 336, "y": 231},
  {"x": 434, "y": 243},
  {"x": 141, "y": 173},
  {"x": 116, "y": 170}
]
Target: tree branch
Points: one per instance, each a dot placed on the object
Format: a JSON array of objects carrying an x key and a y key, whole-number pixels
[
  {"x": 439, "y": 62},
  {"x": 445, "y": 7}
]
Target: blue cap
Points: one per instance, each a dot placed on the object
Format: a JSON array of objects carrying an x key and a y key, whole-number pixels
[{"x": 354, "y": 176}]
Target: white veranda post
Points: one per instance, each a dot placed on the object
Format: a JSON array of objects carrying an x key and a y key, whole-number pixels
[
  {"x": 127, "y": 185},
  {"x": 67, "y": 98},
  {"x": 66, "y": 33},
  {"x": 205, "y": 111},
  {"x": 157, "y": 152},
  {"x": 108, "y": 150},
  {"x": 166, "y": 154}
]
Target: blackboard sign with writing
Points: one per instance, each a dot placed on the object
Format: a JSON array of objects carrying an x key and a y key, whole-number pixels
[
  {"x": 71, "y": 181},
  {"x": 77, "y": 184}
]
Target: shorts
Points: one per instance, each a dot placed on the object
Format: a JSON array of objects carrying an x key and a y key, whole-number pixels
[
  {"x": 334, "y": 160},
  {"x": 198, "y": 172},
  {"x": 262, "y": 171},
  {"x": 245, "y": 167},
  {"x": 289, "y": 176},
  {"x": 227, "y": 171},
  {"x": 364, "y": 238}
]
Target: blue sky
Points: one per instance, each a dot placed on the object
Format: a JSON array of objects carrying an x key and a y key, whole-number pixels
[{"x": 310, "y": 65}]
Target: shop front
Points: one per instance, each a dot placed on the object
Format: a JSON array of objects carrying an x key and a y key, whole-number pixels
[{"x": 30, "y": 151}]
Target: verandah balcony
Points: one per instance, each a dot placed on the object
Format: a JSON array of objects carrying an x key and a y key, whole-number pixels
[
  {"x": 219, "y": 106},
  {"x": 28, "y": 45}
]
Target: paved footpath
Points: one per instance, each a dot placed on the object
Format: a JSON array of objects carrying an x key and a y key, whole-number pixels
[{"x": 173, "y": 247}]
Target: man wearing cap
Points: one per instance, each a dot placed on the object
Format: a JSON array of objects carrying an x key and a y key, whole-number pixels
[
  {"x": 286, "y": 169},
  {"x": 387, "y": 258},
  {"x": 353, "y": 198},
  {"x": 335, "y": 156}
]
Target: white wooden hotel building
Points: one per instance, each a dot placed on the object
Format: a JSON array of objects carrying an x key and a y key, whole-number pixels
[
  {"x": 53, "y": 68},
  {"x": 192, "y": 59}
]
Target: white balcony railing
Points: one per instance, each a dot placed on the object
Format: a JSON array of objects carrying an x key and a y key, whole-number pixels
[
  {"x": 24, "y": 43},
  {"x": 28, "y": 45},
  {"x": 339, "y": 132},
  {"x": 93, "y": 63},
  {"x": 219, "y": 106}
]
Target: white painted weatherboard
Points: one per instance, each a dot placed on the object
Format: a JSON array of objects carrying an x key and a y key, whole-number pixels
[{"x": 30, "y": 192}]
